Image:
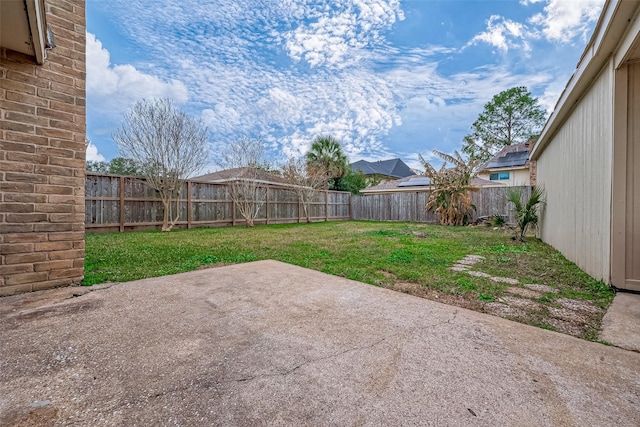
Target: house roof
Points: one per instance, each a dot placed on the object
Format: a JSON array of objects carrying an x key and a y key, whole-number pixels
[
  {"x": 235, "y": 173},
  {"x": 420, "y": 183},
  {"x": 613, "y": 35},
  {"x": 395, "y": 168},
  {"x": 511, "y": 156}
]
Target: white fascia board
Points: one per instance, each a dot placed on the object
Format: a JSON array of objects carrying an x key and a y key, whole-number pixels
[
  {"x": 612, "y": 25},
  {"x": 38, "y": 27}
]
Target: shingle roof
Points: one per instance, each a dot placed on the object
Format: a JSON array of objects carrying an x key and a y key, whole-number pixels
[
  {"x": 421, "y": 181},
  {"x": 230, "y": 174},
  {"x": 395, "y": 168},
  {"x": 510, "y": 156}
]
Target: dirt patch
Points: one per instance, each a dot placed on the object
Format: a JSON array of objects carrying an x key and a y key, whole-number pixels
[
  {"x": 542, "y": 288},
  {"x": 569, "y": 328},
  {"x": 579, "y": 305},
  {"x": 458, "y": 300},
  {"x": 524, "y": 292},
  {"x": 504, "y": 310}
]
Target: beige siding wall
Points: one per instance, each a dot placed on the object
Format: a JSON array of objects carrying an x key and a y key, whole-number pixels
[
  {"x": 575, "y": 169},
  {"x": 517, "y": 177}
]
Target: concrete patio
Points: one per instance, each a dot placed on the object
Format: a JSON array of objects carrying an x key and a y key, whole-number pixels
[{"x": 266, "y": 343}]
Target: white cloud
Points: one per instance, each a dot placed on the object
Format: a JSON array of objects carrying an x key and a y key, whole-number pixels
[
  {"x": 93, "y": 155},
  {"x": 503, "y": 34},
  {"x": 563, "y": 20},
  {"x": 115, "y": 87}
]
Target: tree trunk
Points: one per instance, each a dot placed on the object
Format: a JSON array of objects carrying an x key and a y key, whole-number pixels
[{"x": 165, "y": 218}]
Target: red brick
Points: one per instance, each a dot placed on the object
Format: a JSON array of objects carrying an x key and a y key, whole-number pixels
[
  {"x": 55, "y": 152},
  {"x": 54, "y": 133},
  {"x": 25, "y": 198},
  {"x": 6, "y": 270},
  {"x": 15, "y": 106},
  {"x": 27, "y": 99},
  {"x": 25, "y": 278},
  {"x": 16, "y": 167},
  {"x": 27, "y": 217},
  {"x": 71, "y": 273},
  {"x": 16, "y": 248},
  {"x": 16, "y": 146},
  {"x": 53, "y": 170},
  {"x": 65, "y": 199},
  {"x": 29, "y": 257},
  {"x": 49, "y": 227},
  {"x": 16, "y": 187},
  {"x": 54, "y": 114},
  {"x": 17, "y": 207},
  {"x": 66, "y": 217},
  {"x": 53, "y": 208},
  {"x": 17, "y": 228},
  {"x": 66, "y": 236},
  {"x": 26, "y": 118},
  {"x": 51, "y": 76},
  {"x": 20, "y": 87},
  {"x": 52, "y": 246},
  {"x": 53, "y": 189},
  {"x": 50, "y": 284},
  {"x": 67, "y": 181},
  {"x": 16, "y": 289},
  {"x": 18, "y": 127},
  {"x": 53, "y": 265},
  {"x": 27, "y": 138},
  {"x": 72, "y": 254},
  {"x": 24, "y": 238},
  {"x": 27, "y": 157},
  {"x": 70, "y": 163},
  {"x": 26, "y": 177}
]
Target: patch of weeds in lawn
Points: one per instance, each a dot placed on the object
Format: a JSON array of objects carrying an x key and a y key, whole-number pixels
[
  {"x": 547, "y": 298},
  {"x": 401, "y": 256},
  {"x": 486, "y": 298},
  {"x": 466, "y": 285},
  {"x": 503, "y": 259},
  {"x": 383, "y": 233}
]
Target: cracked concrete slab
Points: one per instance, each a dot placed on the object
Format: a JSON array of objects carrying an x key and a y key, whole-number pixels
[{"x": 267, "y": 343}]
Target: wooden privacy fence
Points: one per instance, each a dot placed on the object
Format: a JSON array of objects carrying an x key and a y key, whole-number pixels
[
  {"x": 126, "y": 203},
  {"x": 410, "y": 206}
]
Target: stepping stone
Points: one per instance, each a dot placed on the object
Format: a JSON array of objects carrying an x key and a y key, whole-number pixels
[{"x": 542, "y": 288}]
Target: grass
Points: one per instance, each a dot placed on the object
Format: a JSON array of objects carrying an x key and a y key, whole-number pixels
[{"x": 412, "y": 257}]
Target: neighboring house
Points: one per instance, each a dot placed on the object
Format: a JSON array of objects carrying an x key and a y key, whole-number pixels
[
  {"x": 42, "y": 144},
  {"x": 229, "y": 175},
  {"x": 383, "y": 170},
  {"x": 418, "y": 183},
  {"x": 588, "y": 154},
  {"x": 510, "y": 166}
]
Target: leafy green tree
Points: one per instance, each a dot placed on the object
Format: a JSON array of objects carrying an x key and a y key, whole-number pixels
[
  {"x": 352, "y": 181},
  {"x": 326, "y": 154},
  {"x": 512, "y": 117},
  {"x": 99, "y": 167},
  {"x": 117, "y": 166},
  {"x": 527, "y": 212}
]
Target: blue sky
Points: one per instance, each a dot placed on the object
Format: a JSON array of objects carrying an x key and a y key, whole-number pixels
[{"x": 389, "y": 78}]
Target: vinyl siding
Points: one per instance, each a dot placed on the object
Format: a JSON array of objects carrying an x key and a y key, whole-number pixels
[{"x": 575, "y": 169}]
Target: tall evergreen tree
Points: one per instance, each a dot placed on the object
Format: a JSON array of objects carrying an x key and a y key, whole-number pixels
[{"x": 512, "y": 117}]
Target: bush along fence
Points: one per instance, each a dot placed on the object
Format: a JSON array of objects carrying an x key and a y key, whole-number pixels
[
  {"x": 410, "y": 206},
  {"x": 124, "y": 203}
]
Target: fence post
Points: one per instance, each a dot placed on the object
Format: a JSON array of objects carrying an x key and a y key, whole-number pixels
[
  {"x": 188, "y": 204},
  {"x": 326, "y": 206},
  {"x": 266, "y": 213},
  {"x": 121, "y": 185}
]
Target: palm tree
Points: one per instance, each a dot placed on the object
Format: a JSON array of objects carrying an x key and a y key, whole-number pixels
[
  {"x": 451, "y": 194},
  {"x": 526, "y": 213},
  {"x": 326, "y": 154}
]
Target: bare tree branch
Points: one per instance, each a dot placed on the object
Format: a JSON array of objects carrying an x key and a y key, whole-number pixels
[{"x": 168, "y": 145}]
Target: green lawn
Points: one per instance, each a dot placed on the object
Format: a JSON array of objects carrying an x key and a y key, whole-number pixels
[{"x": 414, "y": 258}]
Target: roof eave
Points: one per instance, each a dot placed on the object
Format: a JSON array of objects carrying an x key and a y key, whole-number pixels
[{"x": 614, "y": 18}]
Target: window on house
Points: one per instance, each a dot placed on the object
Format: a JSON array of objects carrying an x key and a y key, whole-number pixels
[{"x": 499, "y": 176}]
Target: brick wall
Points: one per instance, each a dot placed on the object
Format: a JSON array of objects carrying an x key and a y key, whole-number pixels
[{"x": 42, "y": 158}]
